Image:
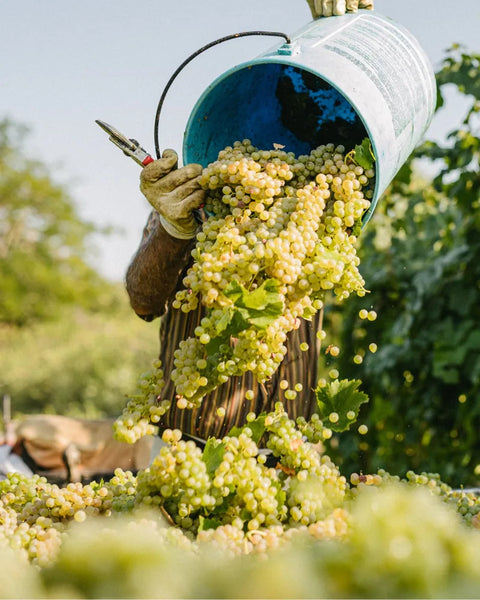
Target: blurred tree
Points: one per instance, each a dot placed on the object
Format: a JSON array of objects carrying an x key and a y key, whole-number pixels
[
  {"x": 69, "y": 342},
  {"x": 43, "y": 241},
  {"x": 421, "y": 261},
  {"x": 81, "y": 365}
]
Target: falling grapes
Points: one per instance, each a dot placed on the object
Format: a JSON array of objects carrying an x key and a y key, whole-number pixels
[
  {"x": 279, "y": 238},
  {"x": 280, "y": 233}
]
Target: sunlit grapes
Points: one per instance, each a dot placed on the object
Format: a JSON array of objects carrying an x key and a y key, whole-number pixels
[
  {"x": 273, "y": 216},
  {"x": 223, "y": 498},
  {"x": 144, "y": 408}
]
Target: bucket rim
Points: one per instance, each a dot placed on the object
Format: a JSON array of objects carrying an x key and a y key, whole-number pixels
[{"x": 287, "y": 60}]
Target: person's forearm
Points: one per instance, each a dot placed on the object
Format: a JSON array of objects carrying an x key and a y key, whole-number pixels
[{"x": 154, "y": 272}]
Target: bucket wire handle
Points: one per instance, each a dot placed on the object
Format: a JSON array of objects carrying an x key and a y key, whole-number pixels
[{"x": 194, "y": 55}]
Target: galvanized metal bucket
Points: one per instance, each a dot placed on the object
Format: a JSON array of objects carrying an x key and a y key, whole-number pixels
[{"x": 340, "y": 80}]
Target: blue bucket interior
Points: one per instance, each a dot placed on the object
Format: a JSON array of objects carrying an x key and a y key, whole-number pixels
[{"x": 270, "y": 103}]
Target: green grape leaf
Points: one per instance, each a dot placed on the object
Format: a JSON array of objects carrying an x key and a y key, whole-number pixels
[
  {"x": 222, "y": 324},
  {"x": 213, "y": 454},
  {"x": 205, "y": 523},
  {"x": 235, "y": 431},
  {"x": 213, "y": 350},
  {"x": 261, "y": 306},
  {"x": 258, "y": 308},
  {"x": 231, "y": 324},
  {"x": 357, "y": 228},
  {"x": 341, "y": 397},
  {"x": 234, "y": 291},
  {"x": 264, "y": 296},
  {"x": 262, "y": 319},
  {"x": 364, "y": 155},
  {"x": 257, "y": 426},
  {"x": 238, "y": 323}
]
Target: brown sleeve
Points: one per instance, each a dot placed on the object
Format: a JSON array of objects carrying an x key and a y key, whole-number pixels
[{"x": 156, "y": 269}]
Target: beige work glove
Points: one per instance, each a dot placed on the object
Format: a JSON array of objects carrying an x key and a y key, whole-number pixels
[
  {"x": 329, "y": 8},
  {"x": 173, "y": 193}
]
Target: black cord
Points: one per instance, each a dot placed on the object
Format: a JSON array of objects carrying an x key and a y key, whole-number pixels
[{"x": 190, "y": 58}]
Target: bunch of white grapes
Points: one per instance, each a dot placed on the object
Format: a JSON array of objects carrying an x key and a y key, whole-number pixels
[
  {"x": 144, "y": 408},
  {"x": 34, "y": 513},
  {"x": 274, "y": 218},
  {"x": 281, "y": 225}
]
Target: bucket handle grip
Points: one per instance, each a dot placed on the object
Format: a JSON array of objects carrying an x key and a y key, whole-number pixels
[{"x": 194, "y": 55}]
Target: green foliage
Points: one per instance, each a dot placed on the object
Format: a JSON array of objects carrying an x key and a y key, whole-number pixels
[
  {"x": 257, "y": 308},
  {"x": 213, "y": 454},
  {"x": 43, "y": 241},
  {"x": 83, "y": 364},
  {"x": 363, "y": 154},
  {"x": 341, "y": 397},
  {"x": 68, "y": 341},
  {"x": 421, "y": 260},
  {"x": 256, "y": 427}
]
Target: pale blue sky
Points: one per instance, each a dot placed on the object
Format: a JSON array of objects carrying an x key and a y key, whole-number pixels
[{"x": 65, "y": 64}]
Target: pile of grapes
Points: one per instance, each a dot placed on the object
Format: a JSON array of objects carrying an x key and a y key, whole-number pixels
[{"x": 195, "y": 523}]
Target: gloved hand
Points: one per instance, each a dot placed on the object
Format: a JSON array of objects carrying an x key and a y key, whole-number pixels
[
  {"x": 328, "y": 8},
  {"x": 173, "y": 193}
]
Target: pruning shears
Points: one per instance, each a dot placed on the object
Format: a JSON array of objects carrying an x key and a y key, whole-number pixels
[
  {"x": 129, "y": 146},
  {"x": 132, "y": 148}
]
